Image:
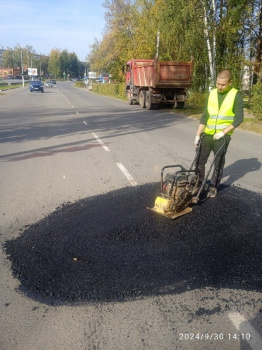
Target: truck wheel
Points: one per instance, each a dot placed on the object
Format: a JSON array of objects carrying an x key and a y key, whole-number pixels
[
  {"x": 180, "y": 105},
  {"x": 149, "y": 104},
  {"x": 142, "y": 99},
  {"x": 129, "y": 98}
]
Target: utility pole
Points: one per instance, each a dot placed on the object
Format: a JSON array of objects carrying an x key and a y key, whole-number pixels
[
  {"x": 157, "y": 45},
  {"x": 22, "y": 68}
]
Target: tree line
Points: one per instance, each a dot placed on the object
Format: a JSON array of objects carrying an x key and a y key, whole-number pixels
[
  {"x": 217, "y": 33},
  {"x": 57, "y": 64}
]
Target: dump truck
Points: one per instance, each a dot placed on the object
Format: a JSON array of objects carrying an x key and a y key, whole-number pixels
[{"x": 152, "y": 82}]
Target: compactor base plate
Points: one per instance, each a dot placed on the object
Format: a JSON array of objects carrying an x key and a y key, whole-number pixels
[{"x": 162, "y": 205}]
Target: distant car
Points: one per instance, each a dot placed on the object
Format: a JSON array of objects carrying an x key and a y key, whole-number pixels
[
  {"x": 36, "y": 85},
  {"x": 53, "y": 81},
  {"x": 49, "y": 84}
]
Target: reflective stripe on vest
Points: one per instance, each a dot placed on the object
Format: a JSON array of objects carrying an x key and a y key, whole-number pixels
[{"x": 219, "y": 119}]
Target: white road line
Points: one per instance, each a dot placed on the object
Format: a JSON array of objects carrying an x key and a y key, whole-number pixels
[
  {"x": 244, "y": 328},
  {"x": 101, "y": 142},
  {"x": 85, "y": 123},
  {"x": 127, "y": 175}
]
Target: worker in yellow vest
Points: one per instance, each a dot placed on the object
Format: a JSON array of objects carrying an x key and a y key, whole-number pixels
[{"x": 223, "y": 113}]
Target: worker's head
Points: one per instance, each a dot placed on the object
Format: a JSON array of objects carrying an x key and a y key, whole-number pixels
[{"x": 224, "y": 80}]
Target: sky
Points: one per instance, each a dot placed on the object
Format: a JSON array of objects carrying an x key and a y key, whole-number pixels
[{"x": 71, "y": 25}]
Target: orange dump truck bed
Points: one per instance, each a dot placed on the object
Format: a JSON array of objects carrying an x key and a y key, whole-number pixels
[{"x": 157, "y": 74}]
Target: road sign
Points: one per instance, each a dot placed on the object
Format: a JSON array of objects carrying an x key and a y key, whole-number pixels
[
  {"x": 92, "y": 75},
  {"x": 32, "y": 71}
]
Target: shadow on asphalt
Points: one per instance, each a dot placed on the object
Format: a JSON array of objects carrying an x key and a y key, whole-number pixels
[
  {"x": 110, "y": 248},
  {"x": 116, "y": 122},
  {"x": 240, "y": 168}
]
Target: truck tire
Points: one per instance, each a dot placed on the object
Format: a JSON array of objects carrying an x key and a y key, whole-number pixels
[
  {"x": 129, "y": 98},
  {"x": 142, "y": 99},
  {"x": 149, "y": 104},
  {"x": 180, "y": 105}
]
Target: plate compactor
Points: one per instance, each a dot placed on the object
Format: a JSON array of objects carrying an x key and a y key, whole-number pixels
[{"x": 180, "y": 189}]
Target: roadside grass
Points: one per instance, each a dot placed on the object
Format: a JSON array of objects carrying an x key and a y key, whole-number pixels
[
  {"x": 9, "y": 87},
  {"x": 190, "y": 111},
  {"x": 252, "y": 125},
  {"x": 4, "y": 87}
]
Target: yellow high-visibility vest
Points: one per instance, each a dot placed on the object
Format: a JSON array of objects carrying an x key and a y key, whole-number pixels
[{"x": 219, "y": 119}]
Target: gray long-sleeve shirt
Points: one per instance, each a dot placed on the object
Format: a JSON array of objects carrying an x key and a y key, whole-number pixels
[{"x": 238, "y": 108}]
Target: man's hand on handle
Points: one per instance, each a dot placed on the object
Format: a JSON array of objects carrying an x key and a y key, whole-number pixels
[
  {"x": 197, "y": 138},
  {"x": 218, "y": 135}
]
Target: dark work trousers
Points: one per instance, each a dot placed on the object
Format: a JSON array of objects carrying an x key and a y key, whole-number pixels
[{"x": 219, "y": 148}]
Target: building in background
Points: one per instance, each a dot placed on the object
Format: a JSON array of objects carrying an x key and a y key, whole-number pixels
[{"x": 9, "y": 72}]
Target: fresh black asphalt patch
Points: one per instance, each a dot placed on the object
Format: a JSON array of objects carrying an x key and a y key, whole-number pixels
[{"x": 111, "y": 248}]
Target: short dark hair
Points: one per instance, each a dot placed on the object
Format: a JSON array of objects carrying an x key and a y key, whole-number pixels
[{"x": 225, "y": 74}]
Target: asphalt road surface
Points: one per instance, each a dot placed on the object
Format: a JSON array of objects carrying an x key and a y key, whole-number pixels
[{"x": 84, "y": 264}]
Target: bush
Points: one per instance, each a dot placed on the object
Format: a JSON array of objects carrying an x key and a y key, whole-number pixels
[
  {"x": 256, "y": 100},
  {"x": 79, "y": 84},
  {"x": 112, "y": 89},
  {"x": 196, "y": 99}
]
